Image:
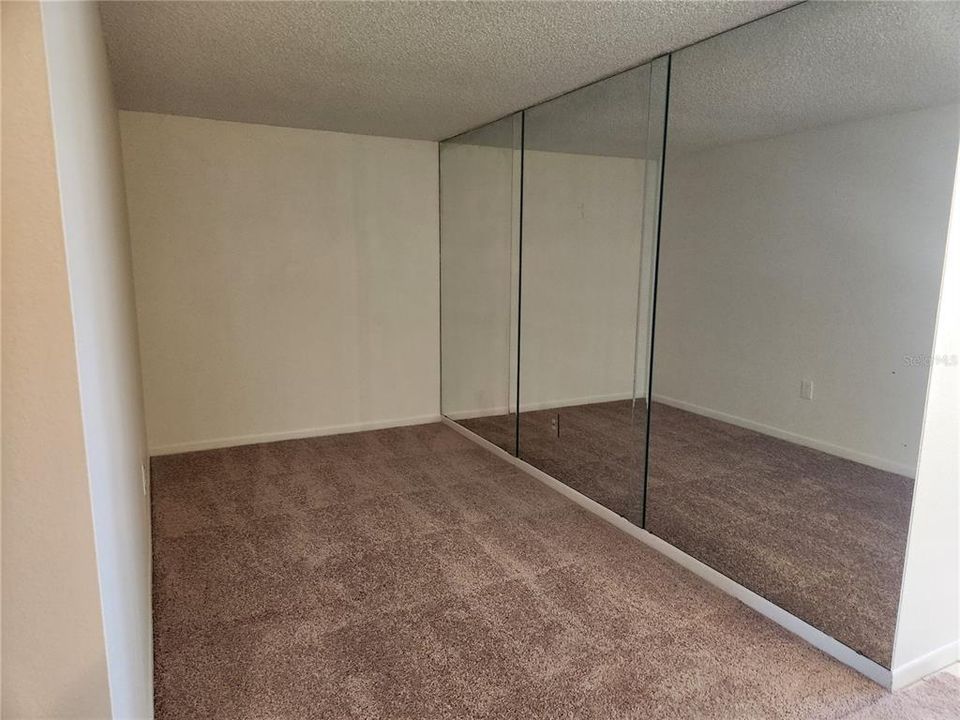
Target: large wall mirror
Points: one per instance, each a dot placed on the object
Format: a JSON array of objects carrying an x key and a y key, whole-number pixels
[
  {"x": 479, "y": 268},
  {"x": 591, "y": 174},
  {"x": 548, "y": 235},
  {"x": 725, "y": 338},
  {"x": 808, "y": 174}
]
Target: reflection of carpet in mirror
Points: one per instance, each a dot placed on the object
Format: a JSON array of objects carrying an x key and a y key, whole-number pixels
[
  {"x": 820, "y": 536},
  {"x": 501, "y": 430},
  {"x": 597, "y": 448}
]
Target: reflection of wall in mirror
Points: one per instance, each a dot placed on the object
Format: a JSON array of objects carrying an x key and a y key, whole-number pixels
[
  {"x": 815, "y": 255},
  {"x": 582, "y": 234},
  {"x": 581, "y": 268},
  {"x": 477, "y": 226}
]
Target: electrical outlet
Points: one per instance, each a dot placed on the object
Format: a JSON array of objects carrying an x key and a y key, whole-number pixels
[{"x": 806, "y": 389}]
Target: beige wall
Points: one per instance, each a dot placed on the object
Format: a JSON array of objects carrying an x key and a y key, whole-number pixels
[
  {"x": 87, "y": 140},
  {"x": 54, "y": 657},
  {"x": 286, "y": 280}
]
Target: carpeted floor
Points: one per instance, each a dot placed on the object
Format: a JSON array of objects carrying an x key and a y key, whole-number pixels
[
  {"x": 820, "y": 536},
  {"x": 407, "y": 573}
]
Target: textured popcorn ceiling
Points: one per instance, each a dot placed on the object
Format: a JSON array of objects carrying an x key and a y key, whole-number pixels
[
  {"x": 405, "y": 69},
  {"x": 431, "y": 70}
]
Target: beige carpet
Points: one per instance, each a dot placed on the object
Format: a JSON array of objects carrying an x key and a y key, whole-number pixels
[{"x": 408, "y": 574}]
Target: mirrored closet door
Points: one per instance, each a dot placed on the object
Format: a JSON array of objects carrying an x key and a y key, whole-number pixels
[
  {"x": 808, "y": 174},
  {"x": 591, "y": 172}
]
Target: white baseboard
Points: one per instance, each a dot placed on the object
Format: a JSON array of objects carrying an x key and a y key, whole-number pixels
[
  {"x": 821, "y": 445},
  {"x": 541, "y": 405},
  {"x": 820, "y": 640},
  {"x": 474, "y": 414},
  {"x": 587, "y": 400},
  {"x": 932, "y": 662},
  {"x": 234, "y": 441}
]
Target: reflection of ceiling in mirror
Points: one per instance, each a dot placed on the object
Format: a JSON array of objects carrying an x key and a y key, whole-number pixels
[
  {"x": 607, "y": 118},
  {"x": 812, "y": 65},
  {"x": 503, "y": 133},
  {"x": 815, "y": 64}
]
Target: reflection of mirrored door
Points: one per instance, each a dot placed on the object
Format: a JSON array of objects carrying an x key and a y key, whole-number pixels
[
  {"x": 479, "y": 220},
  {"x": 808, "y": 173},
  {"x": 590, "y": 174}
]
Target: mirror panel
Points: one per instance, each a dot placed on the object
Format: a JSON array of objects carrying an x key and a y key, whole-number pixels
[
  {"x": 586, "y": 281},
  {"x": 808, "y": 175},
  {"x": 479, "y": 267}
]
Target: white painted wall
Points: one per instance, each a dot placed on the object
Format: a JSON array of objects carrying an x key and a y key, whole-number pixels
[
  {"x": 815, "y": 255},
  {"x": 928, "y": 624},
  {"x": 286, "y": 280},
  {"x": 54, "y": 654},
  {"x": 90, "y": 172}
]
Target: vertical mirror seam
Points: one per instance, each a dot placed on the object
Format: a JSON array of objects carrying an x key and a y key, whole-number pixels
[{"x": 656, "y": 282}]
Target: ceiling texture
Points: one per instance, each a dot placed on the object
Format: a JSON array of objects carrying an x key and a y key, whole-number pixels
[{"x": 425, "y": 70}]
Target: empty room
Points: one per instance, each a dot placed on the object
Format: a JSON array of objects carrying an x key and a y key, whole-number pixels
[{"x": 480, "y": 359}]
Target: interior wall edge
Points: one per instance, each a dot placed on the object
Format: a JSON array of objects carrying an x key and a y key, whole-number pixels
[
  {"x": 238, "y": 440},
  {"x": 813, "y": 443},
  {"x": 921, "y": 667},
  {"x": 928, "y": 617},
  {"x": 817, "y": 638},
  {"x": 54, "y": 655},
  {"x": 100, "y": 279}
]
